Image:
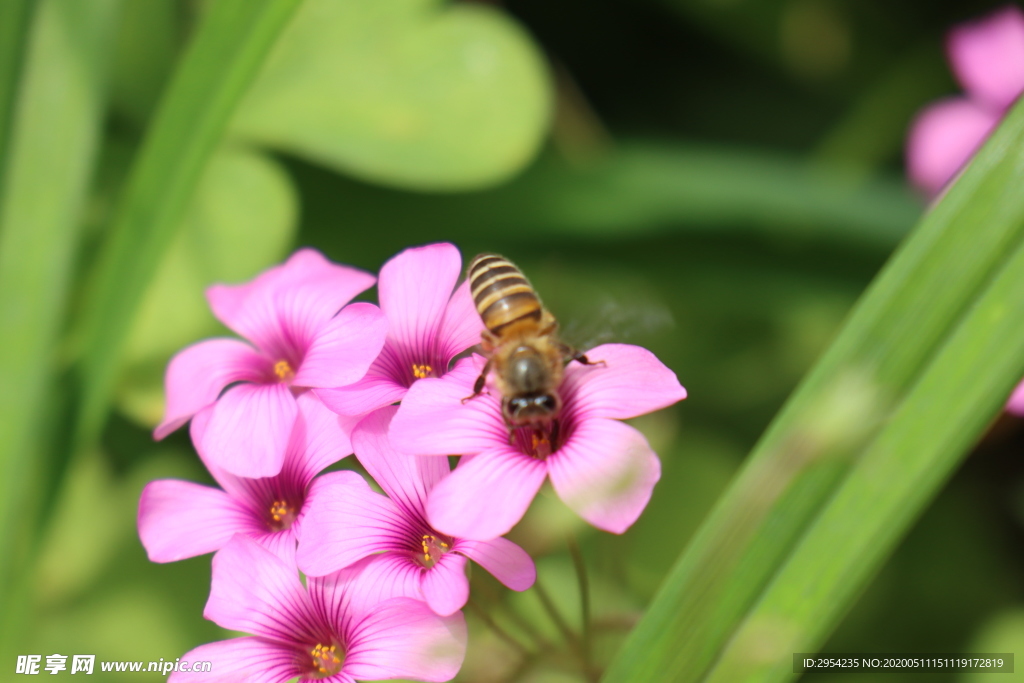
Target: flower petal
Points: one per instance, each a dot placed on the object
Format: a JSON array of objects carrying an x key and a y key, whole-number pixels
[
  {"x": 414, "y": 290},
  {"x": 403, "y": 638},
  {"x": 433, "y": 420},
  {"x": 987, "y": 56},
  {"x": 485, "y": 497},
  {"x": 344, "y": 521},
  {"x": 254, "y": 660},
  {"x": 253, "y": 590},
  {"x": 281, "y": 543},
  {"x": 290, "y": 301},
  {"x": 606, "y": 473},
  {"x": 249, "y": 429},
  {"x": 407, "y": 479},
  {"x": 323, "y": 439},
  {"x": 445, "y": 585},
  {"x": 632, "y": 382},
  {"x": 506, "y": 561},
  {"x": 461, "y": 325},
  {"x": 1016, "y": 403},
  {"x": 179, "y": 519},
  {"x": 942, "y": 140},
  {"x": 375, "y": 390},
  {"x": 349, "y": 594},
  {"x": 197, "y": 374},
  {"x": 342, "y": 350}
]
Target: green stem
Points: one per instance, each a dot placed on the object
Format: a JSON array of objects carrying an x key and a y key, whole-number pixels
[
  {"x": 485, "y": 617},
  {"x": 584, "y": 584}
]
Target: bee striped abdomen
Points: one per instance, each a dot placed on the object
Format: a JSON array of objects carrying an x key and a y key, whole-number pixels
[{"x": 501, "y": 294}]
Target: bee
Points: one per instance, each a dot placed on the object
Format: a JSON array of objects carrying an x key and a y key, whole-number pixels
[{"x": 521, "y": 345}]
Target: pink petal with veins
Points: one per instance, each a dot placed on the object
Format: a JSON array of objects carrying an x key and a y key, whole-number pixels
[
  {"x": 197, "y": 374},
  {"x": 606, "y": 473}
]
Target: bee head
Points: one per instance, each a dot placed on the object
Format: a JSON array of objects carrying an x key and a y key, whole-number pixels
[{"x": 531, "y": 410}]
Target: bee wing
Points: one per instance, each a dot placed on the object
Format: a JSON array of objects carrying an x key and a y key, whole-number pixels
[{"x": 612, "y": 320}]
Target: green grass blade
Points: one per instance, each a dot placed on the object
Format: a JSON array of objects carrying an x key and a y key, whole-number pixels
[
  {"x": 231, "y": 44},
  {"x": 932, "y": 431},
  {"x": 891, "y": 336},
  {"x": 55, "y": 132},
  {"x": 14, "y": 21}
]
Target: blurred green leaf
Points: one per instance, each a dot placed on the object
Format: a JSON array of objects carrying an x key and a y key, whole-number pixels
[
  {"x": 224, "y": 56},
  {"x": 242, "y": 219},
  {"x": 907, "y": 317},
  {"x": 413, "y": 93},
  {"x": 54, "y": 139},
  {"x": 146, "y": 46},
  {"x": 1004, "y": 632},
  {"x": 941, "y": 417},
  {"x": 14, "y": 21},
  {"x": 641, "y": 188}
]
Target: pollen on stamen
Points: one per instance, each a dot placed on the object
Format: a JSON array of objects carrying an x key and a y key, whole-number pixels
[
  {"x": 283, "y": 370},
  {"x": 326, "y": 660},
  {"x": 433, "y": 549},
  {"x": 421, "y": 371},
  {"x": 282, "y": 514}
]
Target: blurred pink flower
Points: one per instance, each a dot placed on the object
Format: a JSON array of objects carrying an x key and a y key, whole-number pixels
[
  {"x": 1016, "y": 403},
  {"x": 323, "y": 632},
  {"x": 428, "y": 325},
  {"x": 180, "y": 519},
  {"x": 303, "y": 338},
  {"x": 603, "y": 469},
  {"x": 350, "y": 522},
  {"x": 987, "y": 57}
]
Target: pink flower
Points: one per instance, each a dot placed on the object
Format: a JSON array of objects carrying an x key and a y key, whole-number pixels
[
  {"x": 180, "y": 519},
  {"x": 987, "y": 57},
  {"x": 323, "y": 632},
  {"x": 303, "y": 338},
  {"x": 602, "y": 468},
  {"x": 1016, "y": 403},
  {"x": 352, "y": 522},
  {"x": 428, "y": 326}
]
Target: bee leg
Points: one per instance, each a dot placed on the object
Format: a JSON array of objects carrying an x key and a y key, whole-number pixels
[
  {"x": 478, "y": 386},
  {"x": 580, "y": 357},
  {"x": 553, "y": 436}
]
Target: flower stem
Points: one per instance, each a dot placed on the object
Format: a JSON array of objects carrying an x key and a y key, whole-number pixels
[
  {"x": 498, "y": 630},
  {"x": 556, "y": 616},
  {"x": 584, "y": 583}
]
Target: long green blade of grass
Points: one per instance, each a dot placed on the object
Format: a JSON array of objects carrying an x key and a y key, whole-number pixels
[
  {"x": 55, "y": 130},
  {"x": 14, "y": 20},
  {"x": 941, "y": 418},
  {"x": 224, "y": 56},
  {"x": 893, "y": 333}
]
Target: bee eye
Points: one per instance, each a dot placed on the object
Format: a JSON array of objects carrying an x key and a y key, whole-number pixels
[{"x": 546, "y": 402}]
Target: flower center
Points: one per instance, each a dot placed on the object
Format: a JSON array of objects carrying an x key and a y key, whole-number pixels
[
  {"x": 282, "y": 515},
  {"x": 283, "y": 370},
  {"x": 327, "y": 660},
  {"x": 421, "y": 371},
  {"x": 538, "y": 442},
  {"x": 433, "y": 549}
]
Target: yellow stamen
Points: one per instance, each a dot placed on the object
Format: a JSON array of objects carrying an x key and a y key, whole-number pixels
[
  {"x": 279, "y": 509},
  {"x": 421, "y": 371},
  {"x": 283, "y": 370},
  {"x": 326, "y": 659}
]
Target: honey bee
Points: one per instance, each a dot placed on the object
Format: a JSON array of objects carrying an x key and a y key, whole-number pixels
[{"x": 521, "y": 345}]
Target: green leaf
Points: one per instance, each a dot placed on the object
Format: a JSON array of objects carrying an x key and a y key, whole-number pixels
[
  {"x": 224, "y": 56},
  {"x": 413, "y": 93},
  {"x": 53, "y": 147},
  {"x": 14, "y": 22},
  {"x": 908, "y": 314},
  {"x": 641, "y": 188},
  {"x": 942, "y": 416},
  {"x": 242, "y": 219}
]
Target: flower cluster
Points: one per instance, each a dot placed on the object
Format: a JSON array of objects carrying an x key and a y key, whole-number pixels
[
  {"x": 322, "y": 378},
  {"x": 987, "y": 58}
]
